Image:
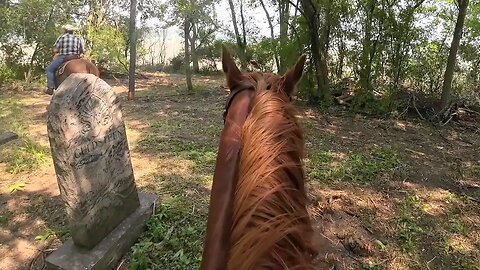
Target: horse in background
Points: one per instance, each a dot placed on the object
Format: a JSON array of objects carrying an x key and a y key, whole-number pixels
[
  {"x": 258, "y": 215},
  {"x": 74, "y": 64}
]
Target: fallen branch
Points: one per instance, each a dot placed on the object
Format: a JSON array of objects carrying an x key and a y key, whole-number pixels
[{"x": 416, "y": 109}]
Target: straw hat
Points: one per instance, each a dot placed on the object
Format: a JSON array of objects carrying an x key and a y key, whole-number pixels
[{"x": 69, "y": 27}]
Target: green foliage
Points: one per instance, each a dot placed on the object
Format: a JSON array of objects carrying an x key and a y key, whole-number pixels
[
  {"x": 427, "y": 69},
  {"x": 5, "y": 217},
  {"x": 50, "y": 233},
  {"x": 27, "y": 37},
  {"x": 176, "y": 64},
  {"x": 7, "y": 74},
  {"x": 263, "y": 52},
  {"x": 211, "y": 54},
  {"x": 107, "y": 45},
  {"x": 172, "y": 238},
  {"x": 456, "y": 226},
  {"x": 386, "y": 48}
]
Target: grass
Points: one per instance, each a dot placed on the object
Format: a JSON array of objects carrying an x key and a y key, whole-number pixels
[
  {"x": 372, "y": 266},
  {"x": 172, "y": 238},
  {"x": 456, "y": 226},
  {"x": 25, "y": 156},
  {"x": 12, "y": 117},
  {"x": 174, "y": 235},
  {"x": 49, "y": 233},
  {"x": 363, "y": 168},
  {"x": 409, "y": 228},
  {"x": 5, "y": 217}
]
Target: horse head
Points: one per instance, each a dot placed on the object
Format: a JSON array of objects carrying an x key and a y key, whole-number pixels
[{"x": 258, "y": 216}]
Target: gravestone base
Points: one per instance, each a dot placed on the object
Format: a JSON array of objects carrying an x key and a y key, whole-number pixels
[{"x": 110, "y": 250}]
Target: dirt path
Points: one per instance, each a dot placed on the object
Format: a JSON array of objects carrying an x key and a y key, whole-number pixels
[{"x": 386, "y": 194}]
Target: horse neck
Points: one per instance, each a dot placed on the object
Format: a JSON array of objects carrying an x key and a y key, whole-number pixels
[{"x": 271, "y": 227}]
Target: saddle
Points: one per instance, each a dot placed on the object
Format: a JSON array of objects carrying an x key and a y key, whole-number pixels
[{"x": 61, "y": 68}]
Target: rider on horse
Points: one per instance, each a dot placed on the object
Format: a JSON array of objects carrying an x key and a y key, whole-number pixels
[{"x": 67, "y": 46}]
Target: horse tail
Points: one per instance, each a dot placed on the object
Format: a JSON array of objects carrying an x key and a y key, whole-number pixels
[{"x": 271, "y": 226}]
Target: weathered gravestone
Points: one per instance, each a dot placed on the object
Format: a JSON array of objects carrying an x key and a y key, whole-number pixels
[{"x": 94, "y": 173}]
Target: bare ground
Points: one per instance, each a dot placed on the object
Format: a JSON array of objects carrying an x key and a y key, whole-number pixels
[{"x": 385, "y": 193}]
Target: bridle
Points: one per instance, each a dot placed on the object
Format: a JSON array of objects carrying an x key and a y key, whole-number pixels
[
  {"x": 244, "y": 85},
  {"x": 233, "y": 93}
]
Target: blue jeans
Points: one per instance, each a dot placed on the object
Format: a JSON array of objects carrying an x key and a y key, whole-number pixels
[{"x": 52, "y": 68}]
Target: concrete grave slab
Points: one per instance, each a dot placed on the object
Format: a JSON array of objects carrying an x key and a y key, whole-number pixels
[{"x": 107, "y": 253}]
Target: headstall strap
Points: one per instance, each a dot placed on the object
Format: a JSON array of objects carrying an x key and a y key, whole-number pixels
[{"x": 239, "y": 88}]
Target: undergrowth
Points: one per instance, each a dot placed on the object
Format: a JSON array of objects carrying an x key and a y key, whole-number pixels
[{"x": 173, "y": 239}]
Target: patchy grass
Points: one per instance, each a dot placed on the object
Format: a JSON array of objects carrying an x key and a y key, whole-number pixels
[
  {"x": 172, "y": 240},
  {"x": 456, "y": 226},
  {"x": 5, "y": 217},
  {"x": 63, "y": 234},
  {"x": 373, "y": 266},
  {"x": 174, "y": 236},
  {"x": 185, "y": 135},
  {"x": 353, "y": 167},
  {"x": 12, "y": 116},
  {"x": 23, "y": 156},
  {"x": 409, "y": 228}
]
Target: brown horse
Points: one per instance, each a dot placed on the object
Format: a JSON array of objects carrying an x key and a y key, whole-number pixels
[
  {"x": 258, "y": 215},
  {"x": 74, "y": 65}
]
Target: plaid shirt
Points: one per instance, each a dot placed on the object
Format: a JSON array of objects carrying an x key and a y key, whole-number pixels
[{"x": 68, "y": 44}]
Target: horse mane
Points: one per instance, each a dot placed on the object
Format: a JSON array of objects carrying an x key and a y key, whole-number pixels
[{"x": 271, "y": 227}]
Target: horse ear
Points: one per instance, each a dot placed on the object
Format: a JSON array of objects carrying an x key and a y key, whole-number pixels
[
  {"x": 232, "y": 73},
  {"x": 291, "y": 78}
]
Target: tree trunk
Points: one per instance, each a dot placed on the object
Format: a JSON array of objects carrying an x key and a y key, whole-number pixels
[
  {"x": 341, "y": 58},
  {"x": 132, "y": 37},
  {"x": 272, "y": 35},
  {"x": 457, "y": 35},
  {"x": 163, "y": 47},
  {"x": 401, "y": 42},
  {"x": 284, "y": 13},
  {"x": 324, "y": 45},
  {"x": 244, "y": 37},
  {"x": 240, "y": 44},
  {"x": 367, "y": 51},
  {"x": 193, "y": 49},
  {"x": 310, "y": 10},
  {"x": 28, "y": 75},
  {"x": 188, "y": 72}
]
